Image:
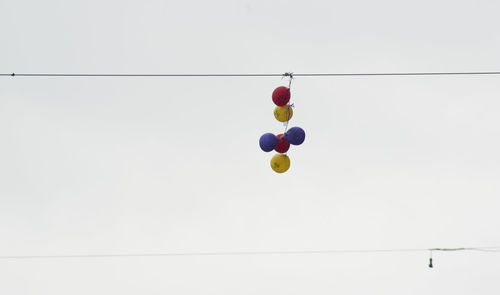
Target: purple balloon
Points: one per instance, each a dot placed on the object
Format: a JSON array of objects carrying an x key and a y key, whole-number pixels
[
  {"x": 268, "y": 142},
  {"x": 295, "y": 135}
]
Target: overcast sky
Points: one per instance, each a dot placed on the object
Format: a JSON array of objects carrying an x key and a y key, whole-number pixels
[{"x": 160, "y": 165}]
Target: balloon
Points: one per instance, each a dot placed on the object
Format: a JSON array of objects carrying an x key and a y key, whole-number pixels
[
  {"x": 283, "y": 145},
  {"x": 281, "y": 96},
  {"x": 280, "y": 163},
  {"x": 283, "y": 114},
  {"x": 295, "y": 135},
  {"x": 268, "y": 142}
]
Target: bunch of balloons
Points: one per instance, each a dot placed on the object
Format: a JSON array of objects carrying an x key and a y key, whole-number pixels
[{"x": 281, "y": 142}]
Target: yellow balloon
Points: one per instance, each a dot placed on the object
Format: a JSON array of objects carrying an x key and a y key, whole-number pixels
[
  {"x": 283, "y": 113},
  {"x": 280, "y": 163}
]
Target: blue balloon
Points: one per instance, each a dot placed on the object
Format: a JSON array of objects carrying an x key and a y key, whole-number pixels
[
  {"x": 268, "y": 142},
  {"x": 295, "y": 135}
]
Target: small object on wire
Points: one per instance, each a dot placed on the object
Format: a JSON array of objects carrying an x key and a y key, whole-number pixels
[
  {"x": 289, "y": 81},
  {"x": 430, "y": 259}
]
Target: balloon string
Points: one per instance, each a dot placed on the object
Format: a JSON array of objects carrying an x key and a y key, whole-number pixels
[
  {"x": 289, "y": 106},
  {"x": 290, "y": 81}
]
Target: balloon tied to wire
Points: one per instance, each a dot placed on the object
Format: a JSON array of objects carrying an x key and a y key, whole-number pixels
[{"x": 280, "y": 143}]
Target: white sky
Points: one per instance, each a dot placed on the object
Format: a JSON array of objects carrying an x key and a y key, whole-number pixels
[{"x": 129, "y": 165}]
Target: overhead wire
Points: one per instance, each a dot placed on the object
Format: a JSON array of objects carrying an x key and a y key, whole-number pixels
[
  {"x": 248, "y": 74},
  {"x": 247, "y": 253}
]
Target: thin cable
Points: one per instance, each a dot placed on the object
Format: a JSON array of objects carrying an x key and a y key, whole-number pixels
[
  {"x": 250, "y": 74},
  {"x": 400, "y": 74},
  {"x": 245, "y": 253},
  {"x": 138, "y": 75},
  {"x": 484, "y": 249}
]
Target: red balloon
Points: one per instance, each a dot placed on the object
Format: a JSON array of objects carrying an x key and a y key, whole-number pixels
[
  {"x": 281, "y": 96},
  {"x": 283, "y": 144}
]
